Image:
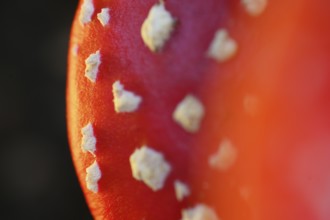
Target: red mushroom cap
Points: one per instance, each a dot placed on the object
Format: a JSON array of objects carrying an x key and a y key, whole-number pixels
[{"x": 201, "y": 110}]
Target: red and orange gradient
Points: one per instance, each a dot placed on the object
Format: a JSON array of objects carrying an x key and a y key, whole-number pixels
[
  {"x": 282, "y": 136},
  {"x": 282, "y": 169}
]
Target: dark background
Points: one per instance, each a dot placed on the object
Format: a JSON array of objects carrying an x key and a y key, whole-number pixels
[{"x": 37, "y": 178}]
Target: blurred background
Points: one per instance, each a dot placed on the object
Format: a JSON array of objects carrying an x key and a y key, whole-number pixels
[{"x": 37, "y": 175}]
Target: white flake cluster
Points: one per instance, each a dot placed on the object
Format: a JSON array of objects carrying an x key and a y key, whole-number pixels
[
  {"x": 157, "y": 27},
  {"x": 88, "y": 143},
  {"x": 93, "y": 175},
  {"x": 86, "y": 12},
  {"x": 92, "y": 66},
  {"x": 189, "y": 113},
  {"x": 181, "y": 190},
  {"x": 199, "y": 212},
  {"x": 104, "y": 16},
  {"x": 124, "y": 101},
  {"x": 225, "y": 157},
  {"x": 150, "y": 167},
  {"x": 255, "y": 7},
  {"x": 222, "y": 47}
]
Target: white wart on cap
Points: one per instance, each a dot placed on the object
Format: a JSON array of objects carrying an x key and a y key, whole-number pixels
[
  {"x": 157, "y": 27},
  {"x": 189, "y": 113},
  {"x": 181, "y": 190},
  {"x": 124, "y": 100},
  {"x": 75, "y": 49},
  {"x": 92, "y": 66},
  {"x": 199, "y": 212},
  {"x": 251, "y": 105},
  {"x": 88, "y": 142},
  {"x": 150, "y": 167},
  {"x": 255, "y": 7},
  {"x": 104, "y": 16},
  {"x": 225, "y": 157},
  {"x": 86, "y": 12},
  {"x": 222, "y": 47},
  {"x": 93, "y": 175}
]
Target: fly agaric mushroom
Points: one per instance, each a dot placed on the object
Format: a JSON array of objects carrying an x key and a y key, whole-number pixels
[{"x": 201, "y": 110}]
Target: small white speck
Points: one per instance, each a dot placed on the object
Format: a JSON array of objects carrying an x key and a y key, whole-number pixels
[
  {"x": 225, "y": 157},
  {"x": 222, "y": 47},
  {"x": 189, "y": 113},
  {"x": 124, "y": 101},
  {"x": 251, "y": 105},
  {"x": 150, "y": 167},
  {"x": 104, "y": 16},
  {"x": 255, "y": 7},
  {"x": 86, "y": 13},
  {"x": 199, "y": 212},
  {"x": 157, "y": 27},
  {"x": 181, "y": 190},
  {"x": 245, "y": 192},
  {"x": 75, "y": 49},
  {"x": 88, "y": 142},
  {"x": 92, "y": 66},
  {"x": 93, "y": 175}
]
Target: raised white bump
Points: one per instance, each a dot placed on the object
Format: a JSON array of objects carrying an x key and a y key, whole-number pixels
[
  {"x": 251, "y": 105},
  {"x": 124, "y": 101},
  {"x": 150, "y": 167},
  {"x": 88, "y": 142},
  {"x": 104, "y": 16},
  {"x": 245, "y": 192},
  {"x": 199, "y": 212},
  {"x": 189, "y": 113},
  {"x": 181, "y": 190},
  {"x": 86, "y": 12},
  {"x": 93, "y": 175},
  {"x": 255, "y": 7},
  {"x": 225, "y": 157},
  {"x": 222, "y": 47},
  {"x": 75, "y": 49},
  {"x": 92, "y": 66},
  {"x": 157, "y": 27}
]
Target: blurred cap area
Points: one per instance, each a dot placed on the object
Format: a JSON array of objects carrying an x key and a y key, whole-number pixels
[{"x": 37, "y": 175}]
